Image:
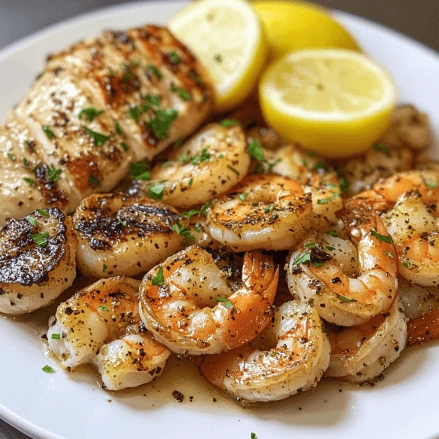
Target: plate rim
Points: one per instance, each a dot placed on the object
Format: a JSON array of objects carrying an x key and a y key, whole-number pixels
[{"x": 9, "y": 416}]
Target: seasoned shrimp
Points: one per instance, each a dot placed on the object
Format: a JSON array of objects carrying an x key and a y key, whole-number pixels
[
  {"x": 425, "y": 328},
  {"x": 101, "y": 325},
  {"x": 363, "y": 352},
  {"x": 188, "y": 305},
  {"x": 414, "y": 228},
  {"x": 268, "y": 212},
  {"x": 361, "y": 172},
  {"x": 267, "y": 137},
  {"x": 408, "y": 127},
  {"x": 37, "y": 260},
  {"x": 351, "y": 278},
  {"x": 290, "y": 356},
  {"x": 119, "y": 235},
  {"x": 417, "y": 299},
  {"x": 208, "y": 164}
]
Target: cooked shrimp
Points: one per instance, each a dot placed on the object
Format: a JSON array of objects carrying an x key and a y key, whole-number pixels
[
  {"x": 103, "y": 320},
  {"x": 416, "y": 299},
  {"x": 350, "y": 278},
  {"x": 408, "y": 127},
  {"x": 267, "y": 137},
  {"x": 188, "y": 305},
  {"x": 414, "y": 228},
  {"x": 131, "y": 361},
  {"x": 290, "y": 356},
  {"x": 362, "y": 171},
  {"x": 119, "y": 235},
  {"x": 37, "y": 260},
  {"x": 208, "y": 164},
  {"x": 268, "y": 212},
  {"x": 363, "y": 352},
  {"x": 425, "y": 328}
]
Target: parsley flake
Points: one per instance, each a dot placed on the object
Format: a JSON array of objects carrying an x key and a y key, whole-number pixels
[
  {"x": 242, "y": 196},
  {"x": 32, "y": 220},
  {"x": 255, "y": 151},
  {"x": 158, "y": 279},
  {"x": 162, "y": 122},
  {"x": 310, "y": 245},
  {"x": 53, "y": 174},
  {"x": 48, "y": 369},
  {"x": 49, "y": 133},
  {"x": 344, "y": 185},
  {"x": 122, "y": 222},
  {"x": 182, "y": 230},
  {"x": 327, "y": 200},
  {"x": 182, "y": 93},
  {"x": 11, "y": 157},
  {"x": 189, "y": 214},
  {"x": 383, "y": 238},
  {"x": 156, "y": 191},
  {"x": 103, "y": 308},
  {"x": 332, "y": 233},
  {"x": 174, "y": 57},
  {"x": 40, "y": 239},
  {"x": 431, "y": 184},
  {"x": 124, "y": 146},
  {"x": 346, "y": 300},
  {"x": 93, "y": 181},
  {"x": 153, "y": 100},
  {"x": 382, "y": 148},
  {"x": 388, "y": 254},
  {"x": 330, "y": 248},
  {"x": 205, "y": 207},
  {"x": 90, "y": 113},
  {"x": 226, "y": 123},
  {"x": 55, "y": 336},
  {"x": 43, "y": 212},
  {"x": 104, "y": 268},
  {"x": 234, "y": 170},
  {"x": 118, "y": 128},
  {"x": 97, "y": 138},
  {"x": 139, "y": 171},
  {"x": 302, "y": 259},
  {"x": 155, "y": 71},
  {"x": 225, "y": 301}
]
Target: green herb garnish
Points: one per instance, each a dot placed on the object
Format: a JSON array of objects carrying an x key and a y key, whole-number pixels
[
  {"x": 11, "y": 157},
  {"x": 29, "y": 181},
  {"x": 302, "y": 259},
  {"x": 153, "y": 100},
  {"x": 182, "y": 230},
  {"x": 234, "y": 170},
  {"x": 344, "y": 299},
  {"x": 32, "y": 220},
  {"x": 104, "y": 268},
  {"x": 330, "y": 248},
  {"x": 118, "y": 128},
  {"x": 155, "y": 71},
  {"x": 255, "y": 151},
  {"x": 53, "y": 174},
  {"x": 103, "y": 308},
  {"x": 382, "y": 148},
  {"x": 388, "y": 254},
  {"x": 383, "y": 238},
  {"x": 344, "y": 185},
  {"x": 156, "y": 191},
  {"x": 122, "y": 222},
  {"x": 48, "y": 369},
  {"x": 124, "y": 146},
  {"x": 43, "y": 212},
  {"x": 328, "y": 200},
  {"x": 40, "y": 239},
  {"x": 242, "y": 196},
  {"x": 48, "y": 131},
  {"x": 55, "y": 336},
  {"x": 140, "y": 171},
  {"x": 190, "y": 213},
  {"x": 97, "y": 138},
  {"x": 226, "y": 123},
  {"x": 182, "y": 93},
  {"x": 174, "y": 57},
  {"x": 90, "y": 113},
  {"x": 162, "y": 122},
  {"x": 205, "y": 207},
  {"x": 310, "y": 245},
  {"x": 158, "y": 279},
  {"x": 93, "y": 181},
  {"x": 225, "y": 301},
  {"x": 332, "y": 233}
]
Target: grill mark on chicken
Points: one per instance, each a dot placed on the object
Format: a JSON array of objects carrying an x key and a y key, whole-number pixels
[{"x": 24, "y": 262}]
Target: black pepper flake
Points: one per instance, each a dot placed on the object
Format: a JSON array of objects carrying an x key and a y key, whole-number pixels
[{"x": 178, "y": 396}]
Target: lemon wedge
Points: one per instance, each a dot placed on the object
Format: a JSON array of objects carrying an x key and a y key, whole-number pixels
[
  {"x": 332, "y": 101},
  {"x": 297, "y": 25},
  {"x": 227, "y": 38}
]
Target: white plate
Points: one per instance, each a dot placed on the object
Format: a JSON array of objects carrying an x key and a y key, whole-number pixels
[{"x": 73, "y": 406}]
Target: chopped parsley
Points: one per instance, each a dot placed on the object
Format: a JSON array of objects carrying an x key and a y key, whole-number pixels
[
  {"x": 332, "y": 233},
  {"x": 383, "y": 238},
  {"x": 242, "y": 196},
  {"x": 162, "y": 121},
  {"x": 382, "y": 148},
  {"x": 48, "y": 369},
  {"x": 302, "y": 259},
  {"x": 431, "y": 184},
  {"x": 104, "y": 268},
  {"x": 43, "y": 212},
  {"x": 269, "y": 208},
  {"x": 118, "y": 128},
  {"x": 344, "y": 185},
  {"x": 49, "y": 133},
  {"x": 388, "y": 254},
  {"x": 183, "y": 159},
  {"x": 32, "y": 220},
  {"x": 11, "y": 157},
  {"x": 56, "y": 337},
  {"x": 344, "y": 299},
  {"x": 189, "y": 214},
  {"x": 140, "y": 171},
  {"x": 234, "y": 170},
  {"x": 310, "y": 245},
  {"x": 124, "y": 146},
  {"x": 93, "y": 181},
  {"x": 190, "y": 182},
  {"x": 177, "y": 143},
  {"x": 135, "y": 112},
  {"x": 182, "y": 93},
  {"x": 218, "y": 58},
  {"x": 166, "y": 164},
  {"x": 97, "y": 138},
  {"x": 103, "y": 308},
  {"x": 135, "y": 62},
  {"x": 153, "y": 100},
  {"x": 156, "y": 191},
  {"x": 155, "y": 71},
  {"x": 273, "y": 164},
  {"x": 40, "y": 239},
  {"x": 174, "y": 57},
  {"x": 225, "y": 301},
  {"x": 29, "y": 181},
  {"x": 203, "y": 157},
  {"x": 253, "y": 436},
  {"x": 205, "y": 207},
  {"x": 182, "y": 230},
  {"x": 90, "y": 113},
  {"x": 158, "y": 279},
  {"x": 53, "y": 174},
  {"x": 328, "y": 200},
  {"x": 330, "y": 248},
  {"x": 255, "y": 151},
  {"x": 226, "y": 123},
  {"x": 122, "y": 222},
  {"x": 406, "y": 264}
]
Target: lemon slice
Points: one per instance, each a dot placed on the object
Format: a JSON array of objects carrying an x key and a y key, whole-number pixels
[
  {"x": 227, "y": 37},
  {"x": 297, "y": 25},
  {"x": 333, "y": 101}
]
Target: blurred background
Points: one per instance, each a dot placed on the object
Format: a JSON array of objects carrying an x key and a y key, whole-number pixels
[
  {"x": 18, "y": 18},
  {"x": 418, "y": 19}
]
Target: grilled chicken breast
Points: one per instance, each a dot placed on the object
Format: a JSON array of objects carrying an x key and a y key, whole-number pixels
[{"x": 100, "y": 105}]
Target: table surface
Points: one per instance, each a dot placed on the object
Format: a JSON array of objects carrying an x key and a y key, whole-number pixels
[{"x": 19, "y": 18}]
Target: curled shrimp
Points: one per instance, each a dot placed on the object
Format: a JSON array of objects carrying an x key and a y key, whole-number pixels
[
  {"x": 408, "y": 127},
  {"x": 208, "y": 164},
  {"x": 351, "y": 277},
  {"x": 101, "y": 325},
  {"x": 189, "y": 306},
  {"x": 37, "y": 260},
  {"x": 119, "y": 235},
  {"x": 361, "y": 353},
  {"x": 414, "y": 228},
  {"x": 290, "y": 356},
  {"x": 268, "y": 212}
]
